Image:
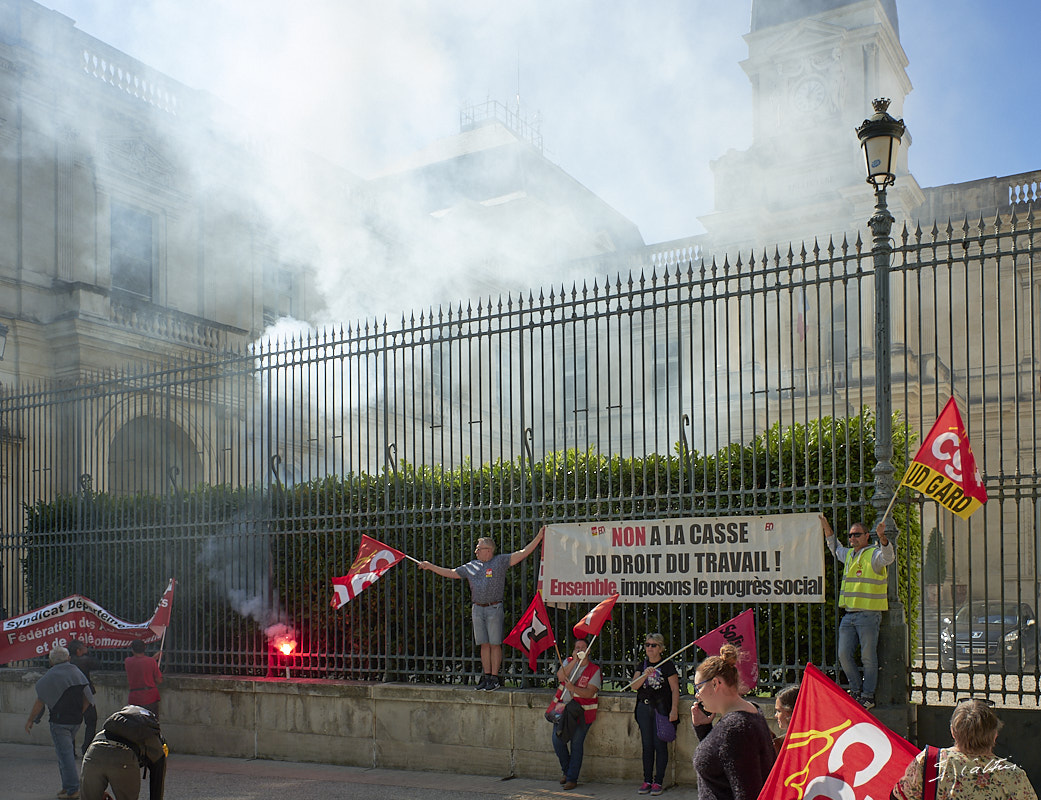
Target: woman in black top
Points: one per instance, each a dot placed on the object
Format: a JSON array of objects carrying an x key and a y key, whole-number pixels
[
  {"x": 734, "y": 756},
  {"x": 657, "y": 688}
]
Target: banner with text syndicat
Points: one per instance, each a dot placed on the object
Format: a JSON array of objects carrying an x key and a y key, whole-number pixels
[
  {"x": 37, "y": 632},
  {"x": 778, "y": 558}
]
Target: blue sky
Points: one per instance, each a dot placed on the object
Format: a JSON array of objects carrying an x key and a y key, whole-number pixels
[{"x": 633, "y": 103}]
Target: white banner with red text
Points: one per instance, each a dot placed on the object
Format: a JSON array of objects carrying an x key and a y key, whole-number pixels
[
  {"x": 777, "y": 558},
  {"x": 38, "y": 631}
]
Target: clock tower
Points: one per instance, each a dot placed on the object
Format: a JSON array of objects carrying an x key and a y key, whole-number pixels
[{"x": 815, "y": 66}]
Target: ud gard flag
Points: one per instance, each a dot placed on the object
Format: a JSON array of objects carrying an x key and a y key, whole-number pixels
[
  {"x": 944, "y": 469},
  {"x": 740, "y": 632},
  {"x": 374, "y": 559},
  {"x": 835, "y": 749},
  {"x": 77, "y": 617},
  {"x": 592, "y": 622},
  {"x": 532, "y": 635}
]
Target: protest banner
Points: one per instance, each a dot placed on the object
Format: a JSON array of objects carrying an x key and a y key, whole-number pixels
[
  {"x": 765, "y": 559},
  {"x": 37, "y": 632}
]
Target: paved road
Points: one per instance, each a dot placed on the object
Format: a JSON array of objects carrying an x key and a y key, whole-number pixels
[{"x": 30, "y": 772}]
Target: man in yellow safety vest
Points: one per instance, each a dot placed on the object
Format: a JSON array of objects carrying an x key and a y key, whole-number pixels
[{"x": 865, "y": 581}]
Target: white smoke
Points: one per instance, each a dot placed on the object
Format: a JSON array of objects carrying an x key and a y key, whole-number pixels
[{"x": 237, "y": 560}]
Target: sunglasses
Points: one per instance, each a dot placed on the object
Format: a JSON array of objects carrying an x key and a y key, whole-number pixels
[
  {"x": 983, "y": 700},
  {"x": 651, "y": 644}
]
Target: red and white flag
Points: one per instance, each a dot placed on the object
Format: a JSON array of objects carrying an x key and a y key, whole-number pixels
[
  {"x": 740, "y": 632},
  {"x": 37, "y": 632},
  {"x": 835, "y": 749},
  {"x": 532, "y": 635},
  {"x": 945, "y": 469},
  {"x": 374, "y": 559},
  {"x": 592, "y": 622}
]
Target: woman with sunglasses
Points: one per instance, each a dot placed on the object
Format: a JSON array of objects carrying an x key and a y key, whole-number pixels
[
  {"x": 657, "y": 687},
  {"x": 969, "y": 770},
  {"x": 734, "y": 756}
]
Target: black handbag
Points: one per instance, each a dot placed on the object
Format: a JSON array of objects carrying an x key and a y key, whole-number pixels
[{"x": 570, "y": 718}]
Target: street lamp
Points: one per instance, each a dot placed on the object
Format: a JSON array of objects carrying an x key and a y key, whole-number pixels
[
  {"x": 880, "y": 136},
  {"x": 3, "y": 339}
]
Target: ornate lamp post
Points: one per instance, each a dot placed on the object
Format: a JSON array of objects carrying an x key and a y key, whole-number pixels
[{"x": 880, "y": 137}]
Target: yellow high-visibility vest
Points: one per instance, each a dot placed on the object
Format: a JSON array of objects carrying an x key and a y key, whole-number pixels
[{"x": 863, "y": 589}]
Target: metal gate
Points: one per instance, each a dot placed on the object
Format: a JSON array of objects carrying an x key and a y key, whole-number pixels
[{"x": 250, "y": 478}]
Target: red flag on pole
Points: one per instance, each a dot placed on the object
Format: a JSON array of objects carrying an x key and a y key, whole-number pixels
[
  {"x": 592, "y": 622},
  {"x": 944, "y": 468},
  {"x": 532, "y": 635},
  {"x": 374, "y": 558},
  {"x": 740, "y": 632},
  {"x": 834, "y": 748},
  {"x": 160, "y": 621}
]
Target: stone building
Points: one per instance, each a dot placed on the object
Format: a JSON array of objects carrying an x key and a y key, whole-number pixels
[
  {"x": 143, "y": 221},
  {"x": 140, "y": 221}
]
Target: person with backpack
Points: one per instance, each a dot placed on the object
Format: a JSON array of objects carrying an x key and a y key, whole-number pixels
[{"x": 129, "y": 740}]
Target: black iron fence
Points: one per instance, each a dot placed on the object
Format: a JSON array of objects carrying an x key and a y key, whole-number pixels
[{"x": 741, "y": 387}]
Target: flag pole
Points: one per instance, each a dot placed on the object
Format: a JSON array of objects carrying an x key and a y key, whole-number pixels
[
  {"x": 892, "y": 502},
  {"x": 671, "y": 656},
  {"x": 162, "y": 642},
  {"x": 560, "y": 658},
  {"x": 170, "y": 584}
]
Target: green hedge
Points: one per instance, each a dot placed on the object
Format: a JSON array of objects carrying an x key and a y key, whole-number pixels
[{"x": 120, "y": 551}]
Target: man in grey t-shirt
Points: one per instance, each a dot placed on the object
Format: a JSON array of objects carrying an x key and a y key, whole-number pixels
[{"x": 487, "y": 577}]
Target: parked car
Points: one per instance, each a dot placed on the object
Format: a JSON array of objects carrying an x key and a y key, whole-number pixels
[{"x": 990, "y": 636}]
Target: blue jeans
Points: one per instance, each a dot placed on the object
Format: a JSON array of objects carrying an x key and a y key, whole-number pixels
[
  {"x": 570, "y": 762},
  {"x": 860, "y": 626},
  {"x": 64, "y": 745},
  {"x": 655, "y": 751}
]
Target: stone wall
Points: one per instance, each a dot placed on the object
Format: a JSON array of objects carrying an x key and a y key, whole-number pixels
[
  {"x": 390, "y": 726},
  {"x": 404, "y": 726}
]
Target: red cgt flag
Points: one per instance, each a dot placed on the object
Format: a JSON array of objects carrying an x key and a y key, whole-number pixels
[
  {"x": 532, "y": 634},
  {"x": 945, "y": 469},
  {"x": 374, "y": 558},
  {"x": 592, "y": 622},
  {"x": 740, "y": 632},
  {"x": 835, "y": 749}
]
